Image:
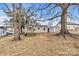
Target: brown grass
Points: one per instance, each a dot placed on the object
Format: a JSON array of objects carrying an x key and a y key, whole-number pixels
[{"x": 42, "y": 44}]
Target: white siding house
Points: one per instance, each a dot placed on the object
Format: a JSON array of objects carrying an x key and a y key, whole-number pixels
[
  {"x": 36, "y": 29},
  {"x": 70, "y": 26},
  {"x": 2, "y": 31},
  {"x": 54, "y": 29},
  {"x": 10, "y": 30},
  {"x": 6, "y": 30}
]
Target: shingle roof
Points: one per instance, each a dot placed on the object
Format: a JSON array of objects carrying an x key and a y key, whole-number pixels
[
  {"x": 2, "y": 27},
  {"x": 72, "y": 23},
  {"x": 69, "y": 23},
  {"x": 36, "y": 25}
]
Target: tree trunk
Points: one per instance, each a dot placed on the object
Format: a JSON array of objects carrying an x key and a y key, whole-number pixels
[
  {"x": 21, "y": 30},
  {"x": 64, "y": 29},
  {"x": 20, "y": 17},
  {"x": 16, "y": 24}
]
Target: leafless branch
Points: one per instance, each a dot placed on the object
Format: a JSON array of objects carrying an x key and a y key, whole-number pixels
[
  {"x": 74, "y": 3},
  {"x": 45, "y": 6},
  {"x": 52, "y": 18},
  {"x": 7, "y": 7}
]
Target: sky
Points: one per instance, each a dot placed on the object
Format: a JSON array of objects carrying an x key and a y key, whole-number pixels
[{"x": 73, "y": 10}]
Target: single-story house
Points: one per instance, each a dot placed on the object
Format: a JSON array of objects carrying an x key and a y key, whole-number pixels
[
  {"x": 9, "y": 30},
  {"x": 2, "y": 31},
  {"x": 54, "y": 29},
  {"x": 70, "y": 26},
  {"x": 5, "y": 30},
  {"x": 36, "y": 28}
]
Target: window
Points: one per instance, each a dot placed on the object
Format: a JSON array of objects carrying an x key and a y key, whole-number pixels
[
  {"x": 30, "y": 28},
  {"x": 36, "y": 23},
  {"x": 44, "y": 28},
  {"x": 69, "y": 27},
  {"x": 3, "y": 31},
  {"x": 33, "y": 29},
  {"x": 38, "y": 28}
]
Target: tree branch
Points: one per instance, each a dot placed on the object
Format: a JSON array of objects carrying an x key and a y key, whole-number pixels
[
  {"x": 57, "y": 4},
  {"x": 7, "y": 7},
  {"x": 45, "y": 7},
  {"x": 49, "y": 18}
]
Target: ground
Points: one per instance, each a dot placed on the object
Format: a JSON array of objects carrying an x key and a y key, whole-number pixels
[{"x": 39, "y": 45}]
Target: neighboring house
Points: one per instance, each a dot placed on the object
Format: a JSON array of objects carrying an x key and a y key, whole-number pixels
[
  {"x": 2, "y": 31},
  {"x": 54, "y": 29},
  {"x": 10, "y": 30},
  {"x": 73, "y": 26},
  {"x": 6, "y": 29},
  {"x": 70, "y": 26},
  {"x": 35, "y": 28}
]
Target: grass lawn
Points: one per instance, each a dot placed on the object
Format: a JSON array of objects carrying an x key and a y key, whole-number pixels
[{"x": 42, "y": 44}]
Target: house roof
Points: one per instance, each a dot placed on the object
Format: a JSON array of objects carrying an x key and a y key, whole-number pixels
[
  {"x": 72, "y": 23},
  {"x": 69, "y": 23},
  {"x": 36, "y": 25},
  {"x": 5, "y": 26},
  {"x": 2, "y": 27},
  {"x": 54, "y": 27}
]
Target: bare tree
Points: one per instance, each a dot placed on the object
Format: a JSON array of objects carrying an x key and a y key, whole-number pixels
[
  {"x": 63, "y": 15},
  {"x": 16, "y": 24},
  {"x": 64, "y": 29}
]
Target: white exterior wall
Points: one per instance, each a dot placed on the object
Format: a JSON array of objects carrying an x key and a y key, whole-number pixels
[
  {"x": 73, "y": 27},
  {"x": 40, "y": 30},
  {"x": 57, "y": 29},
  {"x": 53, "y": 29},
  {"x": 10, "y": 30},
  {"x": 25, "y": 29},
  {"x": 2, "y": 32}
]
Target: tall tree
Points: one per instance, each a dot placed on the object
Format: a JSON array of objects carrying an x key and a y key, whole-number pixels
[
  {"x": 20, "y": 17},
  {"x": 16, "y": 24},
  {"x": 64, "y": 30},
  {"x": 62, "y": 15}
]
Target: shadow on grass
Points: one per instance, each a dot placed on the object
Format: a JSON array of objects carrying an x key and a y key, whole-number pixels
[
  {"x": 75, "y": 36},
  {"x": 30, "y": 34}
]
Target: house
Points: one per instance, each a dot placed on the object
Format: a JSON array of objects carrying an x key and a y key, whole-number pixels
[
  {"x": 9, "y": 30},
  {"x": 71, "y": 26},
  {"x": 36, "y": 28},
  {"x": 2, "y": 31},
  {"x": 54, "y": 29},
  {"x": 33, "y": 26},
  {"x": 6, "y": 30}
]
